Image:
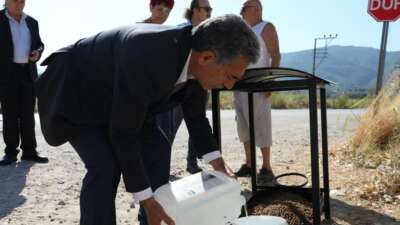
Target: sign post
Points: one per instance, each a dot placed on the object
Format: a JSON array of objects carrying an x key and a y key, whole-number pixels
[
  {"x": 382, "y": 56},
  {"x": 383, "y": 11}
]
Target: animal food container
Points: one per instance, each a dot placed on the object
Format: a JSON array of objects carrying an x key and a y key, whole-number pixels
[
  {"x": 260, "y": 220},
  {"x": 206, "y": 198}
]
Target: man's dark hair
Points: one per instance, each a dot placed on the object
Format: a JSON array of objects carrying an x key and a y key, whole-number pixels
[
  {"x": 168, "y": 3},
  {"x": 229, "y": 37},
  {"x": 189, "y": 12}
]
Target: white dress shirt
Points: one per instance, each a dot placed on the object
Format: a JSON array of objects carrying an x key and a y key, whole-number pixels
[
  {"x": 148, "y": 193},
  {"x": 21, "y": 38}
]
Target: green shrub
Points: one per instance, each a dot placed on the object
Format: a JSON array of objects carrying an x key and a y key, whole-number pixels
[{"x": 294, "y": 100}]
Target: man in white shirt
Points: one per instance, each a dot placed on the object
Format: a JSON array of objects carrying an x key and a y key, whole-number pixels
[{"x": 21, "y": 47}]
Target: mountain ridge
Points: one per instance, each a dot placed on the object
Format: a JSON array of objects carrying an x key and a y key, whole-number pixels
[{"x": 350, "y": 67}]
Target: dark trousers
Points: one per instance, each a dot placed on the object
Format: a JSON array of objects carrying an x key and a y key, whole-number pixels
[
  {"x": 99, "y": 187},
  {"x": 17, "y": 105},
  {"x": 169, "y": 123}
]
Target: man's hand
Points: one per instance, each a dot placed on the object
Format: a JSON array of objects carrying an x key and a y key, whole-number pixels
[
  {"x": 34, "y": 56},
  {"x": 219, "y": 165},
  {"x": 155, "y": 212}
]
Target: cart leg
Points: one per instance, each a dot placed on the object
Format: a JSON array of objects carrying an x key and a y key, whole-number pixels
[
  {"x": 325, "y": 156},
  {"x": 252, "y": 144},
  {"x": 314, "y": 155}
]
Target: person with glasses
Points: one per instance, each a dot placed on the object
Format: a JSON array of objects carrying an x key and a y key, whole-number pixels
[
  {"x": 199, "y": 11},
  {"x": 170, "y": 121},
  {"x": 269, "y": 57},
  {"x": 160, "y": 10}
]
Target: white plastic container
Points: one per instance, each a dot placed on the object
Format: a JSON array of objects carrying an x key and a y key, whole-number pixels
[
  {"x": 206, "y": 198},
  {"x": 260, "y": 220}
]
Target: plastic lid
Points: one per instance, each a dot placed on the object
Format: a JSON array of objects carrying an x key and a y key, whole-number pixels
[{"x": 260, "y": 220}]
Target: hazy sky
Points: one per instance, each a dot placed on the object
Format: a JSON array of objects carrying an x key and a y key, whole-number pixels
[{"x": 62, "y": 22}]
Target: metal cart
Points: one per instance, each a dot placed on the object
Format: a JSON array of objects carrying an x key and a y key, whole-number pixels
[{"x": 285, "y": 79}]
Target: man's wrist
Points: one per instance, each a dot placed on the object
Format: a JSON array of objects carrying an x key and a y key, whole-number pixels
[
  {"x": 207, "y": 158},
  {"x": 143, "y": 195},
  {"x": 148, "y": 203},
  {"x": 218, "y": 164}
]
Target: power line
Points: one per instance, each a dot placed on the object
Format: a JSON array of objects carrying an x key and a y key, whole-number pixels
[{"x": 321, "y": 53}]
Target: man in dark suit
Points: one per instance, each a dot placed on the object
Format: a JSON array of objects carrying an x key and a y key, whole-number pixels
[
  {"x": 102, "y": 95},
  {"x": 20, "y": 49}
]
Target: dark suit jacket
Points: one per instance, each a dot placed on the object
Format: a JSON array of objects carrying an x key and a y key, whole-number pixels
[
  {"x": 119, "y": 79},
  {"x": 7, "y": 48}
]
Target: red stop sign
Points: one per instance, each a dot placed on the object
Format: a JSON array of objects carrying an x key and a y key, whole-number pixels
[{"x": 384, "y": 10}]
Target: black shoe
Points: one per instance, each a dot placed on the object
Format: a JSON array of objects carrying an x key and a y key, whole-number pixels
[
  {"x": 8, "y": 160},
  {"x": 265, "y": 176},
  {"x": 192, "y": 169},
  {"x": 35, "y": 158},
  {"x": 244, "y": 171}
]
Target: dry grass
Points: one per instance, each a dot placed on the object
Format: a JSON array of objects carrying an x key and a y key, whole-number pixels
[{"x": 376, "y": 143}]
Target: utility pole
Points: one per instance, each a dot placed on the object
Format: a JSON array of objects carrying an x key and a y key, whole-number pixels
[{"x": 321, "y": 53}]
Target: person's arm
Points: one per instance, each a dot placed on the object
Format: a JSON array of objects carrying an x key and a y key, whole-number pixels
[
  {"x": 155, "y": 213},
  {"x": 127, "y": 146},
  {"x": 271, "y": 40},
  {"x": 199, "y": 127},
  {"x": 129, "y": 109},
  {"x": 270, "y": 37},
  {"x": 38, "y": 49}
]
